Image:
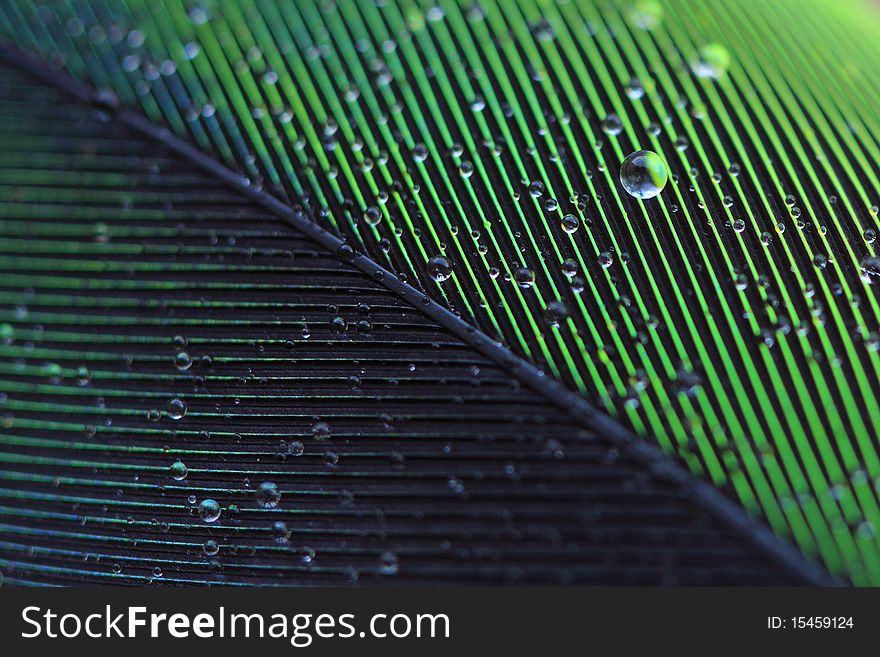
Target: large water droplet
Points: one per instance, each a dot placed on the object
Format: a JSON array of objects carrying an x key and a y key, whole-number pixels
[
  {"x": 176, "y": 409},
  {"x": 209, "y": 510},
  {"x": 439, "y": 268},
  {"x": 268, "y": 495},
  {"x": 570, "y": 223},
  {"x": 643, "y": 174},
  {"x": 524, "y": 277},
  {"x": 183, "y": 361},
  {"x": 178, "y": 470},
  {"x": 373, "y": 216}
]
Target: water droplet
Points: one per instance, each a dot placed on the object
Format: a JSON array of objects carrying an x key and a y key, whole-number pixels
[
  {"x": 388, "y": 564},
  {"x": 556, "y": 313},
  {"x": 191, "y": 50},
  {"x": 634, "y": 89},
  {"x": 612, "y": 125},
  {"x": 210, "y": 547},
  {"x": 7, "y": 333},
  {"x": 199, "y": 15},
  {"x": 373, "y": 215},
  {"x": 439, "y": 268},
  {"x": 420, "y": 153},
  {"x": 83, "y": 375},
  {"x": 870, "y": 267},
  {"x": 268, "y": 495},
  {"x": 645, "y": 14},
  {"x": 178, "y": 470},
  {"x": 524, "y": 277},
  {"x": 209, "y": 510},
  {"x": 176, "y": 409},
  {"x": 606, "y": 259},
  {"x": 570, "y": 223},
  {"x": 643, "y": 174},
  {"x": 54, "y": 372},
  {"x": 321, "y": 430},
  {"x": 107, "y": 100},
  {"x": 713, "y": 62},
  {"x": 569, "y": 267},
  {"x": 280, "y": 531},
  {"x": 183, "y": 361}
]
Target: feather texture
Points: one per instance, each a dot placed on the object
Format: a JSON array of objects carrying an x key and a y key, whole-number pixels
[{"x": 731, "y": 320}]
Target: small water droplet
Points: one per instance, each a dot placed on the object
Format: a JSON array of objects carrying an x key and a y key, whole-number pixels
[
  {"x": 321, "y": 430},
  {"x": 420, "y": 153},
  {"x": 107, "y": 100},
  {"x": 713, "y": 62},
  {"x": 556, "y": 313},
  {"x": 634, "y": 89},
  {"x": 280, "y": 531},
  {"x": 645, "y": 14},
  {"x": 388, "y": 564},
  {"x": 612, "y": 125}
]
